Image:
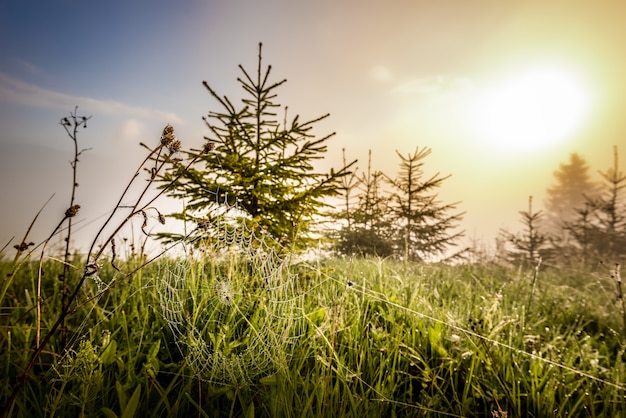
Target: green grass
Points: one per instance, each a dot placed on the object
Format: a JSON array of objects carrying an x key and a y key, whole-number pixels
[{"x": 366, "y": 338}]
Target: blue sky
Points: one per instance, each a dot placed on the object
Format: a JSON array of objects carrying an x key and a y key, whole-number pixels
[{"x": 393, "y": 75}]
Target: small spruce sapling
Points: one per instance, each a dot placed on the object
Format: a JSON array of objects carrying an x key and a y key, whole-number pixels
[
  {"x": 259, "y": 164},
  {"x": 426, "y": 229}
]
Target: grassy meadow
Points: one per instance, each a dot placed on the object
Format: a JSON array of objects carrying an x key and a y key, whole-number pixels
[{"x": 232, "y": 336}]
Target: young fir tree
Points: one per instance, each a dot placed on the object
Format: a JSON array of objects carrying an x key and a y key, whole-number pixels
[
  {"x": 367, "y": 231},
  {"x": 612, "y": 210},
  {"x": 424, "y": 225},
  {"x": 582, "y": 232},
  {"x": 347, "y": 186},
  {"x": 262, "y": 165},
  {"x": 606, "y": 229},
  {"x": 530, "y": 245}
]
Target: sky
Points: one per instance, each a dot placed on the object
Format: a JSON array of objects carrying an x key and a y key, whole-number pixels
[{"x": 501, "y": 91}]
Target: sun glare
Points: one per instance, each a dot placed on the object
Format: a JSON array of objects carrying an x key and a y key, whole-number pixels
[{"x": 531, "y": 109}]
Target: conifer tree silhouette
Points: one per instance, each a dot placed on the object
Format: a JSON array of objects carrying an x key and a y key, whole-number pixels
[{"x": 425, "y": 228}]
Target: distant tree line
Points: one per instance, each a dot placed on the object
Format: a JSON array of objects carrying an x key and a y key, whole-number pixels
[
  {"x": 400, "y": 216},
  {"x": 262, "y": 163},
  {"x": 584, "y": 221}
]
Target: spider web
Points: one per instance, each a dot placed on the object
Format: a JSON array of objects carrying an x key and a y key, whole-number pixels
[{"x": 235, "y": 312}]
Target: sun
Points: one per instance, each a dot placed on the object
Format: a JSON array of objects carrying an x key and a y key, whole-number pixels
[{"x": 530, "y": 109}]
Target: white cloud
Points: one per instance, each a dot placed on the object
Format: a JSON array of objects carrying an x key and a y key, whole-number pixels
[
  {"x": 131, "y": 130},
  {"x": 30, "y": 68},
  {"x": 423, "y": 85},
  {"x": 17, "y": 91},
  {"x": 434, "y": 85}
]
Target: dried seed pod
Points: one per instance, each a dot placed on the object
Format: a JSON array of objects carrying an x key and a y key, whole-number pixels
[
  {"x": 72, "y": 211},
  {"x": 208, "y": 147}
]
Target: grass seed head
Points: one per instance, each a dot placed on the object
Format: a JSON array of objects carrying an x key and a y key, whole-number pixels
[
  {"x": 167, "y": 138},
  {"x": 72, "y": 211},
  {"x": 23, "y": 246},
  {"x": 208, "y": 147},
  {"x": 174, "y": 146}
]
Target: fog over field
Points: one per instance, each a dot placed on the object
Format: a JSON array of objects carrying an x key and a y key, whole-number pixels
[{"x": 502, "y": 92}]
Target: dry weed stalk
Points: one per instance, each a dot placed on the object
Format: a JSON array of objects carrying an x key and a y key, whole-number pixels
[
  {"x": 162, "y": 155},
  {"x": 71, "y": 126}
]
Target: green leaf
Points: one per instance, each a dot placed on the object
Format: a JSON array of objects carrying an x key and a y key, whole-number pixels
[
  {"x": 250, "y": 411},
  {"x": 435, "y": 337},
  {"x": 269, "y": 380},
  {"x": 121, "y": 394},
  {"x": 108, "y": 413},
  {"x": 317, "y": 316},
  {"x": 152, "y": 365},
  {"x": 109, "y": 354},
  {"x": 133, "y": 403}
]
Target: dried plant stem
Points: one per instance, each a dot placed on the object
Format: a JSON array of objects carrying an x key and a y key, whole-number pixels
[
  {"x": 39, "y": 345},
  {"x": 71, "y": 128},
  {"x": 135, "y": 209},
  {"x": 91, "y": 267},
  {"x": 126, "y": 274},
  {"x": 154, "y": 154},
  {"x": 22, "y": 248},
  {"x": 119, "y": 205}
]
